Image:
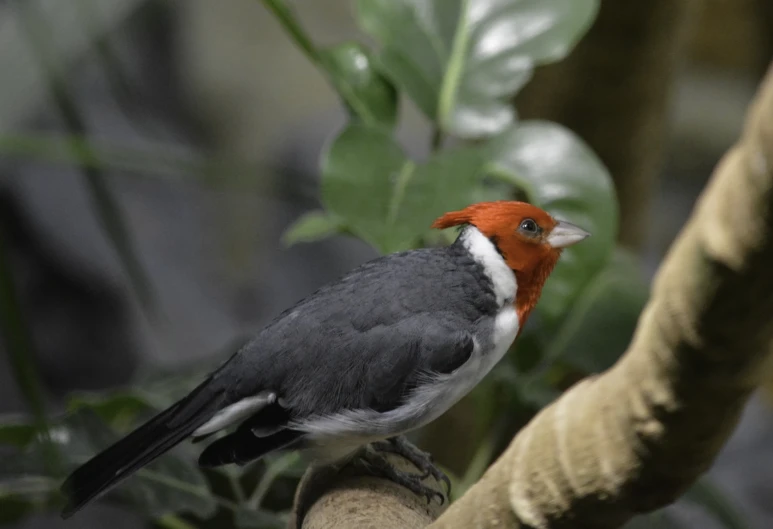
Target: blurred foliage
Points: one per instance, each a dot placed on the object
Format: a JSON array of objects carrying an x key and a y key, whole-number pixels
[
  {"x": 173, "y": 484},
  {"x": 702, "y": 495},
  {"x": 384, "y": 197},
  {"x": 105, "y": 203},
  {"x": 461, "y": 62},
  {"x": 18, "y": 344}
]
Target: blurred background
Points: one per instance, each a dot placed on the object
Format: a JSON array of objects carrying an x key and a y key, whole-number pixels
[{"x": 157, "y": 244}]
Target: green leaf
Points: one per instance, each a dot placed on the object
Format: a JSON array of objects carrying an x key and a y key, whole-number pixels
[
  {"x": 14, "y": 508},
  {"x": 601, "y": 323},
  {"x": 16, "y": 431},
  {"x": 534, "y": 390},
  {"x": 387, "y": 199},
  {"x": 562, "y": 175},
  {"x": 367, "y": 94},
  {"x": 461, "y": 61},
  {"x": 707, "y": 496},
  {"x": 22, "y": 497},
  {"x": 171, "y": 484},
  {"x": 312, "y": 226},
  {"x": 120, "y": 410}
]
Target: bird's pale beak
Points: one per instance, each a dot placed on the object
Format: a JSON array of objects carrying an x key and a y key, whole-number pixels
[{"x": 566, "y": 234}]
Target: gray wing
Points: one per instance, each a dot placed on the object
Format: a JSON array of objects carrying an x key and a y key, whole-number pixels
[
  {"x": 394, "y": 360},
  {"x": 362, "y": 342},
  {"x": 385, "y": 364}
]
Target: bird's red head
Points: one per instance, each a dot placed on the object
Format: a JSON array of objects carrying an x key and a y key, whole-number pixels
[{"x": 529, "y": 239}]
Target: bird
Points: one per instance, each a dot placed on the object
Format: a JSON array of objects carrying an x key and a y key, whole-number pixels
[{"x": 385, "y": 349}]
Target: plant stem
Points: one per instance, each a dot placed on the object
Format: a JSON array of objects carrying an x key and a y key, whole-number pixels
[
  {"x": 437, "y": 139},
  {"x": 105, "y": 203},
  {"x": 172, "y": 521},
  {"x": 287, "y": 19},
  {"x": 713, "y": 501},
  {"x": 272, "y": 472},
  {"x": 160, "y": 161},
  {"x": 178, "y": 484},
  {"x": 18, "y": 344},
  {"x": 346, "y": 89},
  {"x": 236, "y": 486}
]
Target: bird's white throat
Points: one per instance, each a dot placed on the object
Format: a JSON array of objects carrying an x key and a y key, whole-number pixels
[{"x": 485, "y": 253}]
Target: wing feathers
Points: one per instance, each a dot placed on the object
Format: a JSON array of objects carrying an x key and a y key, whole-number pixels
[
  {"x": 236, "y": 412},
  {"x": 243, "y": 446}
]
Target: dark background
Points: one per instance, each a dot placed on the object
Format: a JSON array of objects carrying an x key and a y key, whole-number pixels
[{"x": 221, "y": 79}]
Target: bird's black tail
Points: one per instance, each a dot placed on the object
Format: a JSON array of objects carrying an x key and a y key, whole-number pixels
[{"x": 140, "y": 447}]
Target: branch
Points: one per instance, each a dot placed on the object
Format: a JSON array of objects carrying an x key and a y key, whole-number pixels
[
  {"x": 350, "y": 498},
  {"x": 634, "y": 438}
]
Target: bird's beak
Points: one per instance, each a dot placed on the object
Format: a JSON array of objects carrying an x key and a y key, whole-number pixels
[{"x": 566, "y": 234}]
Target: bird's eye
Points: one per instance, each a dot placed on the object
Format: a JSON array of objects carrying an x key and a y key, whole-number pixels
[{"x": 529, "y": 227}]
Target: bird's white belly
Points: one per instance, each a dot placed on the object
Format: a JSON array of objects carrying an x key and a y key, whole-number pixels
[
  {"x": 426, "y": 404},
  {"x": 431, "y": 401}
]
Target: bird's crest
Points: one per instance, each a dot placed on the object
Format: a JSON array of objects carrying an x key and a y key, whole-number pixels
[{"x": 491, "y": 217}]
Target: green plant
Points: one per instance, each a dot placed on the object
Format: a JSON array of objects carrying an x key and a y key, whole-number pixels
[{"x": 461, "y": 62}]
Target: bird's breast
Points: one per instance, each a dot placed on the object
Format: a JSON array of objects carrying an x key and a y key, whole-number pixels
[
  {"x": 500, "y": 337},
  {"x": 336, "y": 436},
  {"x": 491, "y": 344}
]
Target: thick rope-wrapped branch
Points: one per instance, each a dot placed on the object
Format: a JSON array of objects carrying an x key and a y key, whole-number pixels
[
  {"x": 635, "y": 437},
  {"x": 333, "y": 498}
]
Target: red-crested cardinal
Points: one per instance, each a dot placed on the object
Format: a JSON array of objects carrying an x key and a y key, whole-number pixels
[{"x": 384, "y": 350}]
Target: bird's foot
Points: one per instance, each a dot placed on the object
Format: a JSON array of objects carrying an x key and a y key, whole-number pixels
[
  {"x": 420, "y": 459},
  {"x": 379, "y": 466}
]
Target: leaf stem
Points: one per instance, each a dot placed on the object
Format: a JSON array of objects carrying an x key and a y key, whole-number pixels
[
  {"x": 452, "y": 77},
  {"x": 321, "y": 59},
  {"x": 401, "y": 182}
]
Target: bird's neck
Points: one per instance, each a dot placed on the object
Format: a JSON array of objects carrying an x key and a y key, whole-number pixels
[
  {"x": 486, "y": 255},
  {"x": 530, "y": 285},
  {"x": 523, "y": 286}
]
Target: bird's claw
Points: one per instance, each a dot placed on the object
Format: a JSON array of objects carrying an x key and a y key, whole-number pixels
[
  {"x": 379, "y": 466},
  {"x": 420, "y": 459},
  {"x": 429, "y": 494}
]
